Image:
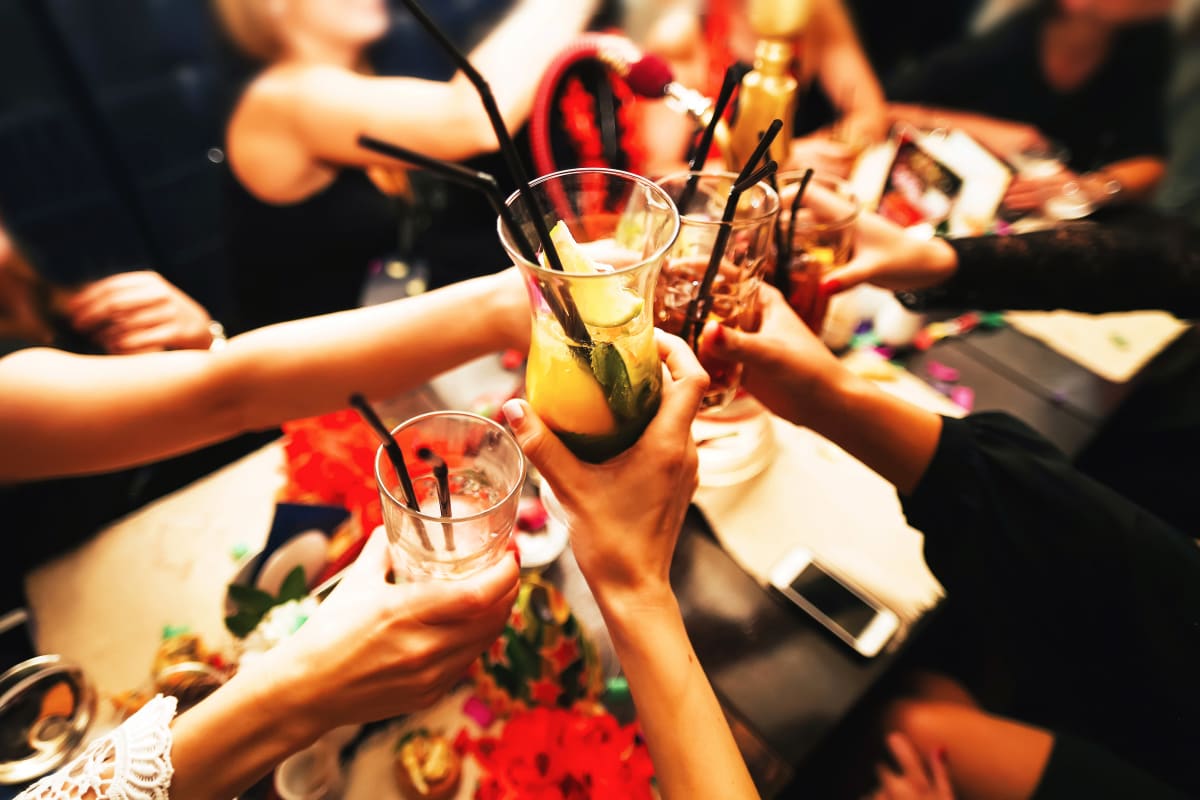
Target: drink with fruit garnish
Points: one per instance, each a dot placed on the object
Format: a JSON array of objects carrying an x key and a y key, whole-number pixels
[
  {"x": 747, "y": 256},
  {"x": 823, "y": 236},
  {"x": 594, "y": 374}
]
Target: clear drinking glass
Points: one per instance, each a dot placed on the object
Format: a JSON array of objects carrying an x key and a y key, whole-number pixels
[
  {"x": 748, "y": 255},
  {"x": 823, "y": 238},
  {"x": 486, "y": 473},
  {"x": 593, "y": 374}
]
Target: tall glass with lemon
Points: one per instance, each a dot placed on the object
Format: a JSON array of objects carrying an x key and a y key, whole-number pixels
[{"x": 593, "y": 373}]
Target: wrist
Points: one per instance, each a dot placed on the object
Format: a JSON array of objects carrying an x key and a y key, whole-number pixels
[
  {"x": 289, "y": 695},
  {"x": 625, "y": 606},
  {"x": 942, "y": 260}
]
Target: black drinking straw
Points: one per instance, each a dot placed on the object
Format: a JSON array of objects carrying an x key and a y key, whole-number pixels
[
  {"x": 394, "y": 454},
  {"x": 701, "y": 305},
  {"x": 562, "y": 306},
  {"x": 760, "y": 149},
  {"x": 700, "y": 154},
  {"x": 480, "y": 181},
  {"x": 507, "y": 148},
  {"x": 791, "y": 231},
  {"x": 442, "y": 474},
  {"x": 783, "y": 248}
]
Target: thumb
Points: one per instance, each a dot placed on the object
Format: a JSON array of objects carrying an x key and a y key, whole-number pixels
[
  {"x": 541, "y": 446},
  {"x": 838, "y": 280},
  {"x": 729, "y": 344}
]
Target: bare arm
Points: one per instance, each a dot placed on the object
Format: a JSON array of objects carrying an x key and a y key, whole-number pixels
[
  {"x": 328, "y": 107},
  {"x": 67, "y": 414},
  {"x": 796, "y": 376},
  {"x": 1002, "y": 137},
  {"x": 625, "y": 517},
  {"x": 847, "y": 77}
]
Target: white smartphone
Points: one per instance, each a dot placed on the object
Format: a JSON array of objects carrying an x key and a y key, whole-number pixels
[{"x": 849, "y": 613}]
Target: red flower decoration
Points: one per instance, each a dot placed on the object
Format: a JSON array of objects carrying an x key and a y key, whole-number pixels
[
  {"x": 561, "y": 755},
  {"x": 544, "y": 691},
  {"x": 564, "y": 654}
]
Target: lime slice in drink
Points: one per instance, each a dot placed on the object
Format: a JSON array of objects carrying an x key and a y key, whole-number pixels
[{"x": 601, "y": 303}]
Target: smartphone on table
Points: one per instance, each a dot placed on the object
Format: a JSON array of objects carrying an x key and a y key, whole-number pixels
[{"x": 848, "y": 612}]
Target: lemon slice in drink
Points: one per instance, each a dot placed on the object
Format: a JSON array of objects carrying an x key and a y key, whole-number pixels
[{"x": 601, "y": 303}]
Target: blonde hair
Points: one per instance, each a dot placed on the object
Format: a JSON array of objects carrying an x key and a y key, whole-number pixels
[{"x": 248, "y": 23}]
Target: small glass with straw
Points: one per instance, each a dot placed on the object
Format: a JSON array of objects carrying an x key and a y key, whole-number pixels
[{"x": 466, "y": 478}]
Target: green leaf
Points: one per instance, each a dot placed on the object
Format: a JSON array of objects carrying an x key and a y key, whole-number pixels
[
  {"x": 241, "y": 623},
  {"x": 248, "y": 598},
  {"x": 610, "y": 370},
  {"x": 294, "y": 586}
]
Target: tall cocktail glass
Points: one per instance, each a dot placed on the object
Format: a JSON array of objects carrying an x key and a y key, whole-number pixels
[
  {"x": 594, "y": 374},
  {"x": 747, "y": 256},
  {"x": 823, "y": 236},
  {"x": 486, "y": 473}
]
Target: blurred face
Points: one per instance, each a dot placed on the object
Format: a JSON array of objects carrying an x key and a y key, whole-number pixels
[
  {"x": 1119, "y": 12},
  {"x": 346, "y": 22}
]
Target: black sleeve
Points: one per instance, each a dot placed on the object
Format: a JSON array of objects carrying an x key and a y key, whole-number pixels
[
  {"x": 1100, "y": 598},
  {"x": 1150, "y": 262}
]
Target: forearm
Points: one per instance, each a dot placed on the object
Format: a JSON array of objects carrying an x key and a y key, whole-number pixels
[
  {"x": 309, "y": 367},
  {"x": 62, "y": 414},
  {"x": 1147, "y": 262},
  {"x": 514, "y": 56},
  {"x": 693, "y": 750},
  {"x": 1138, "y": 177},
  {"x": 892, "y": 437},
  {"x": 994, "y": 134},
  {"x": 226, "y": 743}
]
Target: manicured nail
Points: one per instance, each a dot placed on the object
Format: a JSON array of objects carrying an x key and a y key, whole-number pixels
[
  {"x": 514, "y": 413},
  {"x": 940, "y": 754},
  {"x": 718, "y": 336},
  {"x": 831, "y": 286}
]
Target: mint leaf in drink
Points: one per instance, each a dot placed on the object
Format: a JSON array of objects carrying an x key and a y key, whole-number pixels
[
  {"x": 613, "y": 376},
  {"x": 294, "y": 586},
  {"x": 248, "y": 598}
]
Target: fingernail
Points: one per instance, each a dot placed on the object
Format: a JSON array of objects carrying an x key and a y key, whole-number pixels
[
  {"x": 718, "y": 336},
  {"x": 514, "y": 413},
  {"x": 831, "y": 286},
  {"x": 940, "y": 754}
]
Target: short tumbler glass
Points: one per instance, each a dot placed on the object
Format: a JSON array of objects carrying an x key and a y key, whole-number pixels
[{"x": 486, "y": 474}]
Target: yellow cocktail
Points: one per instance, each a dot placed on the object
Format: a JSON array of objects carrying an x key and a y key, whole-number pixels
[{"x": 594, "y": 374}]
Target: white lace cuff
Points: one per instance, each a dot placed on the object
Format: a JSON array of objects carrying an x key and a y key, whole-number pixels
[{"x": 132, "y": 762}]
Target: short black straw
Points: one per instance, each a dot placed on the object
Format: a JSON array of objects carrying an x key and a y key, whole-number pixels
[
  {"x": 783, "y": 249},
  {"x": 700, "y": 154},
  {"x": 394, "y": 454},
  {"x": 442, "y": 475},
  {"x": 760, "y": 149},
  {"x": 507, "y": 148},
  {"x": 795, "y": 208},
  {"x": 701, "y": 305}
]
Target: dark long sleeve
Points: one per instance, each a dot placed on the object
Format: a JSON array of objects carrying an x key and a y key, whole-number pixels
[
  {"x": 1097, "y": 600},
  {"x": 1144, "y": 262}
]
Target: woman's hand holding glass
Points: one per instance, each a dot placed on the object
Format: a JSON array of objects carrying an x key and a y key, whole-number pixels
[
  {"x": 625, "y": 514},
  {"x": 376, "y": 649},
  {"x": 888, "y": 257}
]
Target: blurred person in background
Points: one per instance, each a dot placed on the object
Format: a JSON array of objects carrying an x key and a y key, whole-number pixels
[
  {"x": 1087, "y": 75},
  {"x": 308, "y": 208}
]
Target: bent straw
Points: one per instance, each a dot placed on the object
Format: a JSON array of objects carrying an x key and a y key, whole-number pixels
[
  {"x": 507, "y": 148},
  {"x": 480, "y": 181},
  {"x": 441, "y": 473},
  {"x": 760, "y": 149},
  {"x": 791, "y": 231},
  {"x": 700, "y": 154},
  {"x": 562, "y": 307},
  {"x": 701, "y": 305},
  {"x": 395, "y": 455}
]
